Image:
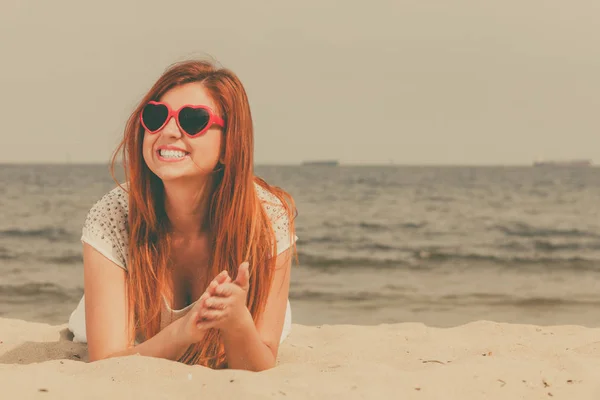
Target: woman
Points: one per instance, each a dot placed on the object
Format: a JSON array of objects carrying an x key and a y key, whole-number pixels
[{"x": 190, "y": 259}]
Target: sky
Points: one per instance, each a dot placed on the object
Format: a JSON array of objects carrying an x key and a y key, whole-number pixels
[{"x": 407, "y": 82}]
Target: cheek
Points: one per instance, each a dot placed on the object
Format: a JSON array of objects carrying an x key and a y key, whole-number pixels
[
  {"x": 208, "y": 148},
  {"x": 147, "y": 146}
]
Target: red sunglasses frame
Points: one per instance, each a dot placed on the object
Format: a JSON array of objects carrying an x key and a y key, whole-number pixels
[{"x": 213, "y": 119}]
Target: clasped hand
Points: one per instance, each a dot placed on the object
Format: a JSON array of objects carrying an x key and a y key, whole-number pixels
[{"x": 223, "y": 304}]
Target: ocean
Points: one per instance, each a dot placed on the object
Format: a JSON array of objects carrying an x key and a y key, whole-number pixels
[{"x": 384, "y": 244}]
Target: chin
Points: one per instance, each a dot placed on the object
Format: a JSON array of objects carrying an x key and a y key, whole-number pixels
[{"x": 172, "y": 174}]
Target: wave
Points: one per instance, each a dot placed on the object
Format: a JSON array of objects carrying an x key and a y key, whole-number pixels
[
  {"x": 321, "y": 240},
  {"x": 66, "y": 259},
  {"x": 49, "y": 233},
  {"x": 506, "y": 300},
  {"x": 370, "y": 226},
  {"x": 432, "y": 259},
  {"x": 443, "y": 199},
  {"x": 545, "y": 245},
  {"x": 325, "y": 262},
  {"x": 364, "y": 244},
  {"x": 521, "y": 262},
  {"x": 357, "y": 296},
  {"x": 37, "y": 256},
  {"x": 409, "y": 299},
  {"x": 521, "y": 229},
  {"x": 26, "y": 293},
  {"x": 6, "y": 255}
]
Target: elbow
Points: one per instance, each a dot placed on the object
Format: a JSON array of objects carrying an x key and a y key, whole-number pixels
[
  {"x": 94, "y": 358},
  {"x": 271, "y": 359},
  {"x": 264, "y": 364},
  {"x": 97, "y": 356},
  {"x": 102, "y": 354},
  {"x": 268, "y": 367},
  {"x": 260, "y": 368},
  {"x": 269, "y": 364}
]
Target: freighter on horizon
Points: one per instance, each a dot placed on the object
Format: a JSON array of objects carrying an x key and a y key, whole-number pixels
[
  {"x": 328, "y": 163},
  {"x": 563, "y": 163}
]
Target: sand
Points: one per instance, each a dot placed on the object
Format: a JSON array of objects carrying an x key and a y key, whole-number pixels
[{"x": 479, "y": 360}]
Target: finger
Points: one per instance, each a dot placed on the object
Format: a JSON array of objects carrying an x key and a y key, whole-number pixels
[
  {"x": 243, "y": 276},
  {"x": 200, "y": 302},
  {"x": 222, "y": 277},
  {"x": 217, "y": 303},
  {"x": 225, "y": 290},
  {"x": 209, "y": 314},
  {"x": 211, "y": 288},
  {"x": 205, "y": 298}
]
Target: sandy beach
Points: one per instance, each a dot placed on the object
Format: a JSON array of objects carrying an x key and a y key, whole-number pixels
[{"x": 410, "y": 361}]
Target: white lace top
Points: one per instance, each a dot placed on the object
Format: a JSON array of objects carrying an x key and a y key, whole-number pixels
[{"x": 105, "y": 229}]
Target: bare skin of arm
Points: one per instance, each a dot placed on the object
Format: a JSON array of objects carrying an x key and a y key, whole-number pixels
[
  {"x": 106, "y": 316},
  {"x": 251, "y": 346},
  {"x": 247, "y": 346}
]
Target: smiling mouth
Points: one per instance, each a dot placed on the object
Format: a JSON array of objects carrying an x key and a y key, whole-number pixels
[{"x": 172, "y": 154}]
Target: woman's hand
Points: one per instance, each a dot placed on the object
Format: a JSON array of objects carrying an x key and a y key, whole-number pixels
[
  {"x": 190, "y": 328},
  {"x": 224, "y": 302}
]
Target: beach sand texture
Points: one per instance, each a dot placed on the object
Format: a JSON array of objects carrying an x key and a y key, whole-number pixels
[{"x": 410, "y": 361}]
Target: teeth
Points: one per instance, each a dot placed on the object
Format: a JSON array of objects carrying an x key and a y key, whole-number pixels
[{"x": 172, "y": 153}]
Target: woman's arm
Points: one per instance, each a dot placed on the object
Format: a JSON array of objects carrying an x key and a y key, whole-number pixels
[
  {"x": 106, "y": 315},
  {"x": 254, "y": 347}
]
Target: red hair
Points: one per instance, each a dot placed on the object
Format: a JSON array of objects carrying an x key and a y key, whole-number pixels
[{"x": 240, "y": 229}]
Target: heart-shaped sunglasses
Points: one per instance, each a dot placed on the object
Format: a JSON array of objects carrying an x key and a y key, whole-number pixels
[{"x": 192, "y": 120}]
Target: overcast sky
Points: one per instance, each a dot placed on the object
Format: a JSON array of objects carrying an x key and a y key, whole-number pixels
[{"x": 413, "y": 82}]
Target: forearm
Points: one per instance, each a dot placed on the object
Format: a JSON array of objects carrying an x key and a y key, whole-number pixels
[
  {"x": 165, "y": 344},
  {"x": 244, "y": 348}
]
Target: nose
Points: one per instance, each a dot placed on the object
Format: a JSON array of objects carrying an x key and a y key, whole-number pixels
[{"x": 171, "y": 129}]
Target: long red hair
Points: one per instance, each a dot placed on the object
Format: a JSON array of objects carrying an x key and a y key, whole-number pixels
[{"x": 239, "y": 226}]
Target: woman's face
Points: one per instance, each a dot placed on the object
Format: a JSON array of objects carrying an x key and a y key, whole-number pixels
[{"x": 172, "y": 155}]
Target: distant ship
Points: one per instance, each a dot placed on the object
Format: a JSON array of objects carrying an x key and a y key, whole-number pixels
[
  {"x": 325, "y": 163},
  {"x": 563, "y": 163}
]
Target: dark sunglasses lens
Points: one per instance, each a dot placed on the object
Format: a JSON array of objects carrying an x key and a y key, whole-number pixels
[
  {"x": 154, "y": 116},
  {"x": 193, "y": 120}
]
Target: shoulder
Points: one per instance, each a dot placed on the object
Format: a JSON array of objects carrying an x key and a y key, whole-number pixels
[
  {"x": 266, "y": 198},
  {"x": 272, "y": 205},
  {"x": 279, "y": 217},
  {"x": 105, "y": 226},
  {"x": 112, "y": 203},
  {"x": 111, "y": 209}
]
